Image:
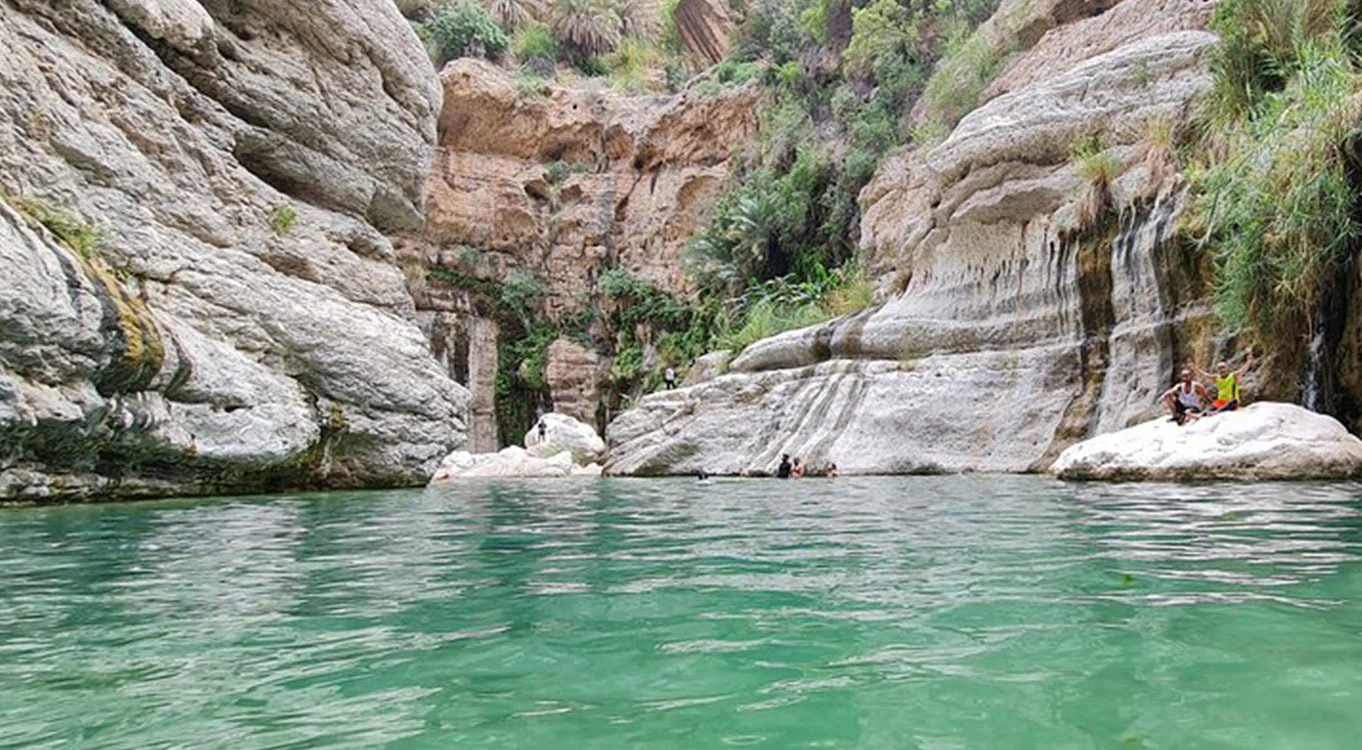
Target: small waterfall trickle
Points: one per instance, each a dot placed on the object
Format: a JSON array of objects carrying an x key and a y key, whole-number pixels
[{"x": 1312, "y": 379}]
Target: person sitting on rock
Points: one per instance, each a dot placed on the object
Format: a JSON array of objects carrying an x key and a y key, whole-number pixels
[
  {"x": 783, "y": 471},
  {"x": 832, "y": 470},
  {"x": 1226, "y": 383},
  {"x": 797, "y": 470},
  {"x": 1187, "y": 399}
]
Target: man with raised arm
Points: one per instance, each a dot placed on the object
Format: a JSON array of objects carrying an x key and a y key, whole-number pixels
[{"x": 1226, "y": 383}]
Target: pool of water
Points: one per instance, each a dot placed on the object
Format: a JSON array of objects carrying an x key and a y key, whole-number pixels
[{"x": 935, "y": 613}]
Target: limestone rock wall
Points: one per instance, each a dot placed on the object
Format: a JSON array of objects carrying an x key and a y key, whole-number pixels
[
  {"x": 564, "y": 183},
  {"x": 1027, "y": 308},
  {"x": 569, "y": 181},
  {"x": 240, "y": 322}
]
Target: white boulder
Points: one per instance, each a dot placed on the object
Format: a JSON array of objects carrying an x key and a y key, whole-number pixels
[
  {"x": 509, "y": 462},
  {"x": 1266, "y": 440},
  {"x": 565, "y": 434}
]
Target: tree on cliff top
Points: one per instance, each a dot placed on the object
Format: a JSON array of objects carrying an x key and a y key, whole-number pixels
[{"x": 464, "y": 29}]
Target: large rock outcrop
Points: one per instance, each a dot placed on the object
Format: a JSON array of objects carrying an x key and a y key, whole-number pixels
[
  {"x": 565, "y": 434},
  {"x": 560, "y": 184},
  {"x": 570, "y": 181},
  {"x": 1028, "y": 307},
  {"x": 1267, "y": 440},
  {"x": 224, "y": 311}
]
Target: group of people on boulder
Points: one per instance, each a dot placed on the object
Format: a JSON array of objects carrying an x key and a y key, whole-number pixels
[{"x": 1190, "y": 399}]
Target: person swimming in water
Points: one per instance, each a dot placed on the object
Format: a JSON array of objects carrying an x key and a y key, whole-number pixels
[
  {"x": 1187, "y": 399},
  {"x": 1226, "y": 383}
]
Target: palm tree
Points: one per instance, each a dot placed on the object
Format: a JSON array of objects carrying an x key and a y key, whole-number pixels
[
  {"x": 586, "y": 28},
  {"x": 640, "y": 18},
  {"x": 509, "y": 13}
]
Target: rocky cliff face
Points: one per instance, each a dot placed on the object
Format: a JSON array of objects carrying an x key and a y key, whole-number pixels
[
  {"x": 198, "y": 292},
  {"x": 1029, "y": 303},
  {"x": 560, "y": 184}
]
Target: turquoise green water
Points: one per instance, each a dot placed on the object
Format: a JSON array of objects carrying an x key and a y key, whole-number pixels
[{"x": 935, "y": 613}]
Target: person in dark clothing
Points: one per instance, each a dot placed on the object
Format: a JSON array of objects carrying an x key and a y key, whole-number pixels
[
  {"x": 543, "y": 430},
  {"x": 783, "y": 471}
]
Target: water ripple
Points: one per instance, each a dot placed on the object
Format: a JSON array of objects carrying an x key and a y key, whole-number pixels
[{"x": 927, "y": 612}]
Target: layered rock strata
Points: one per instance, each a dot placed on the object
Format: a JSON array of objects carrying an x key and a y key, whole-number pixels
[
  {"x": 198, "y": 294},
  {"x": 1027, "y": 306}
]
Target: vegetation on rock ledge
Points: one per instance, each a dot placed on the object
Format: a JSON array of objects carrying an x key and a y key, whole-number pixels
[{"x": 1277, "y": 185}]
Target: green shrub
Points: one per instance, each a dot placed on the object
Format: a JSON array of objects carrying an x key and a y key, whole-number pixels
[
  {"x": 1098, "y": 168},
  {"x": 765, "y": 319},
  {"x": 632, "y": 63},
  {"x": 884, "y": 43},
  {"x": 970, "y": 64},
  {"x": 1275, "y": 203},
  {"x": 464, "y": 29},
  {"x": 282, "y": 219},
  {"x": 522, "y": 292},
  {"x": 771, "y": 31},
  {"x": 535, "y": 45},
  {"x": 70, "y": 229},
  {"x": 1259, "y": 46}
]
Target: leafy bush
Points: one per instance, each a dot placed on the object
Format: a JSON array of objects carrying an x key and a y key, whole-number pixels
[
  {"x": 464, "y": 29},
  {"x": 884, "y": 46},
  {"x": 632, "y": 63},
  {"x": 523, "y": 291},
  {"x": 535, "y": 46},
  {"x": 772, "y": 32},
  {"x": 282, "y": 219}
]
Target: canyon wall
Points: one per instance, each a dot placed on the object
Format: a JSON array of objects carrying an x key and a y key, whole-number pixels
[
  {"x": 560, "y": 183},
  {"x": 198, "y": 292},
  {"x": 1026, "y": 305}
]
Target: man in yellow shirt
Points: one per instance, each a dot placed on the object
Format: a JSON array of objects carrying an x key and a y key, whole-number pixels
[{"x": 1226, "y": 383}]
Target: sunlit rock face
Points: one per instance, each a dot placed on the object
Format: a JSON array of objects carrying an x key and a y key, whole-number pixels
[
  {"x": 1024, "y": 308},
  {"x": 239, "y": 321},
  {"x": 561, "y": 183},
  {"x": 1267, "y": 440}
]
